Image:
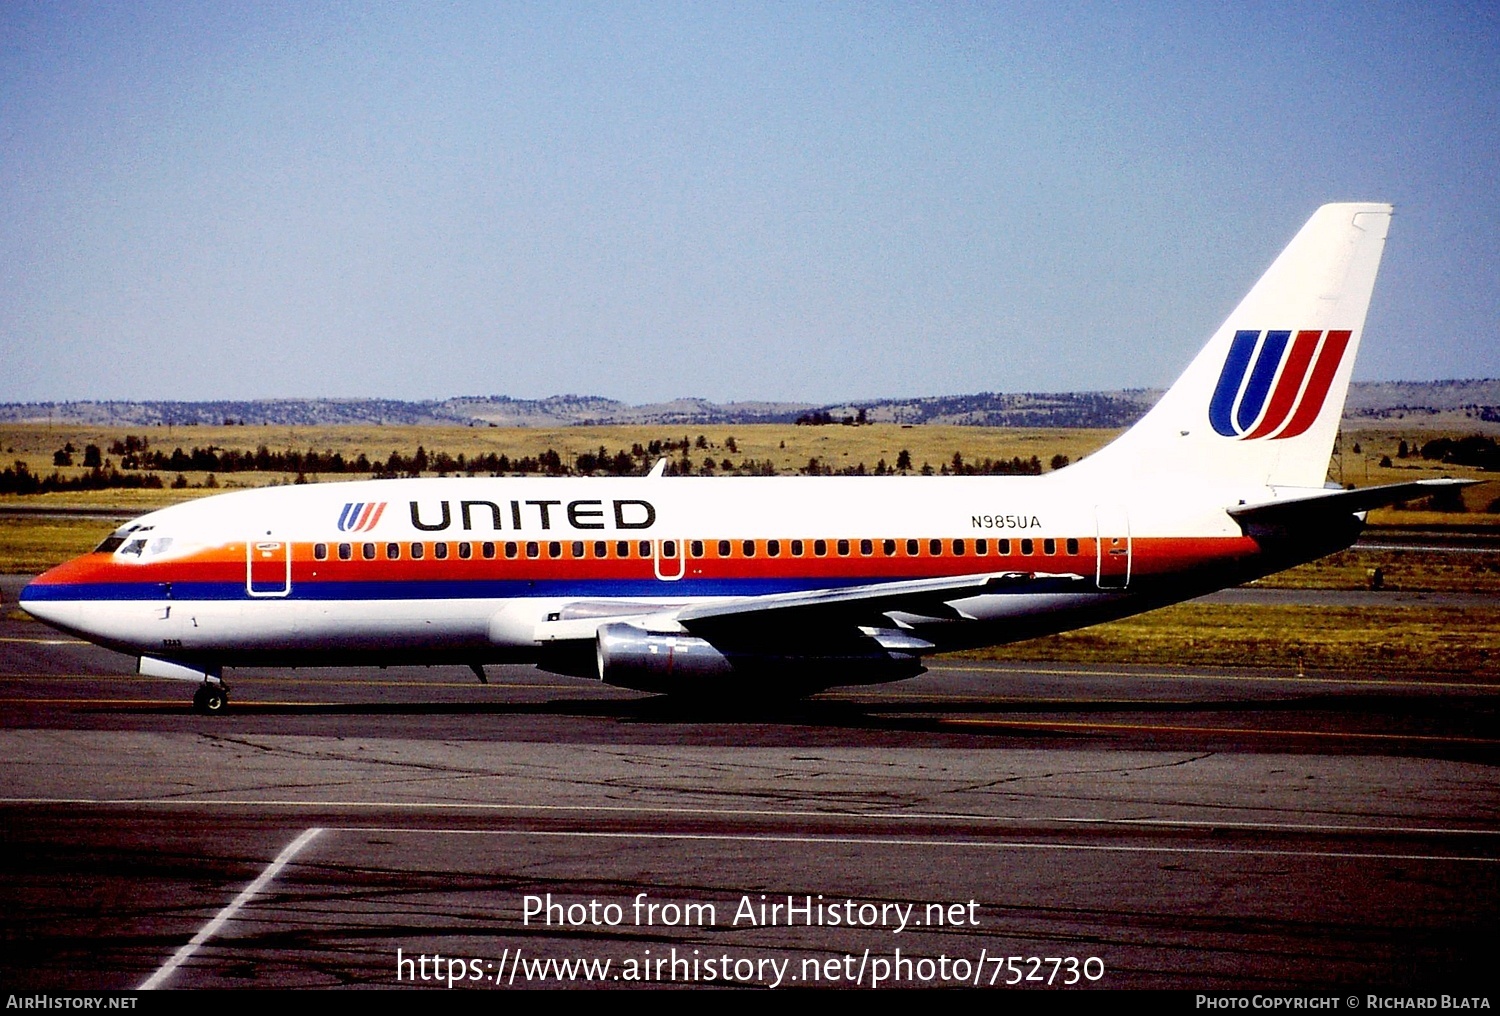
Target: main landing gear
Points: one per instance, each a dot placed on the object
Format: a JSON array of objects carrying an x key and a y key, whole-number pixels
[{"x": 211, "y": 698}]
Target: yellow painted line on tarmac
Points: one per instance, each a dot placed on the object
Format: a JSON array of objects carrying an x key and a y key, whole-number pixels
[
  {"x": 240, "y": 681},
  {"x": 74, "y": 677},
  {"x": 45, "y": 642},
  {"x": 89, "y": 702},
  {"x": 183, "y": 702},
  {"x": 243, "y": 681},
  {"x": 1162, "y": 729},
  {"x": 884, "y": 694}
]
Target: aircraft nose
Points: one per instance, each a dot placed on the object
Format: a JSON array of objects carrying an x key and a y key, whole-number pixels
[{"x": 47, "y": 599}]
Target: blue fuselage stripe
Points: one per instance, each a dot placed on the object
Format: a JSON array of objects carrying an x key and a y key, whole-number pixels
[{"x": 479, "y": 589}]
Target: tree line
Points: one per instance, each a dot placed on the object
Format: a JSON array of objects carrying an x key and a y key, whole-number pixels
[
  {"x": 140, "y": 464},
  {"x": 19, "y": 479}
]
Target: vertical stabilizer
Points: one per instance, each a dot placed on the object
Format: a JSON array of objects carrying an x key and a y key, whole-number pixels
[{"x": 1261, "y": 403}]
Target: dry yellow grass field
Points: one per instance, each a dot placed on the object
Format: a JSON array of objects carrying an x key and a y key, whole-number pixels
[
  {"x": 787, "y": 448},
  {"x": 1416, "y": 641}
]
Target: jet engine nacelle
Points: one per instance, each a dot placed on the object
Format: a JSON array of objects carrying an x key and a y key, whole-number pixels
[{"x": 631, "y": 657}]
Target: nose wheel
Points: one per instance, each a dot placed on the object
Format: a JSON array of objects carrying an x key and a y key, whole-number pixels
[{"x": 210, "y": 699}]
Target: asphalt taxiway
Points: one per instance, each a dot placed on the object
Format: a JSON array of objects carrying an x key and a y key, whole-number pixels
[{"x": 1235, "y": 829}]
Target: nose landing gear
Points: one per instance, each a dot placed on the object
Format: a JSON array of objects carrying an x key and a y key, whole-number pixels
[{"x": 211, "y": 698}]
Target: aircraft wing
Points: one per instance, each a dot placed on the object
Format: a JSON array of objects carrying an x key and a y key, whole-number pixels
[
  {"x": 927, "y": 597},
  {"x": 824, "y": 610}
]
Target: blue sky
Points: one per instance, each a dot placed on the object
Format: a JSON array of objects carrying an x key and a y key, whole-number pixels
[{"x": 735, "y": 201}]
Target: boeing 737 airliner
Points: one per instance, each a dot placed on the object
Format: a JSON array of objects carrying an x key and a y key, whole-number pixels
[{"x": 755, "y": 586}]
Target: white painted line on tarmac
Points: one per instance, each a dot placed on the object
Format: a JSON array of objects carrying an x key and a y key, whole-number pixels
[
  {"x": 1157, "y": 728},
  {"x": 212, "y": 927},
  {"x": 775, "y": 813},
  {"x": 868, "y": 841},
  {"x": 1020, "y": 669}
]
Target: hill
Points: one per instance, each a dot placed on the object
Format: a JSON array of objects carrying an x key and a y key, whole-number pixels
[{"x": 1414, "y": 403}]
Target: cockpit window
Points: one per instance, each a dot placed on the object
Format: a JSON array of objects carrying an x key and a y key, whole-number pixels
[
  {"x": 114, "y": 540},
  {"x": 138, "y": 542}
]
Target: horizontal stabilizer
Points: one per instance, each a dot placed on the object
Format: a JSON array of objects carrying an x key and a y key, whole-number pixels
[{"x": 1290, "y": 510}]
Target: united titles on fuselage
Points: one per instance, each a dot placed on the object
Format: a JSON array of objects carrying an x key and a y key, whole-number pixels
[{"x": 624, "y": 513}]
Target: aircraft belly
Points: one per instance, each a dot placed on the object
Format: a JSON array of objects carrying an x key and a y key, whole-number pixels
[{"x": 324, "y": 625}]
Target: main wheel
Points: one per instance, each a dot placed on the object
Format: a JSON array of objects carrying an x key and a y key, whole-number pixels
[{"x": 210, "y": 699}]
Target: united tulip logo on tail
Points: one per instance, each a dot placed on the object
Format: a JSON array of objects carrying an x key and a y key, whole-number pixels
[
  {"x": 360, "y": 516},
  {"x": 1275, "y": 387}
]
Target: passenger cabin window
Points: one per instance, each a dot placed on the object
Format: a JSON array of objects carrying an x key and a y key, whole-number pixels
[
  {"x": 958, "y": 548},
  {"x": 820, "y": 548},
  {"x": 601, "y": 549},
  {"x": 511, "y": 550},
  {"x": 417, "y": 551},
  {"x": 578, "y": 548},
  {"x": 1072, "y": 545},
  {"x": 320, "y": 552},
  {"x": 393, "y": 551},
  {"x": 1004, "y": 547},
  {"x": 465, "y": 550},
  {"x": 748, "y": 547},
  {"x": 440, "y": 551},
  {"x": 554, "y": 549},
  {"x": 843, "y": 548},
  {"x": 866, "y": 547},
  {"x": 346, "y": 551},
  {"x": 1049, "y": 546},
  {"x": 913, "y": 548},
  {"x": 888, "y": 548},
  {"x": 773, "y": 548},
  {"x": 367, "y": 551},
  {"x": 622, "y": 548},
  {"x": 796, "y": 548},
  {"x": 533, "y": 549},
  {"x": 696, "y": 547},
  {"x": 935, "y": 548},
  {"x": 981, "y": 546},
  {"x": 487, "y": 549},
  {"x": 644, "y": 546},
  {"x": 1027, "y": 546}
]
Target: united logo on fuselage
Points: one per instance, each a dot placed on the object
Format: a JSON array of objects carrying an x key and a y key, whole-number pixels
[
  {"x": 1273, "y": 384},
  {"x": 360, "y": 516}
]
